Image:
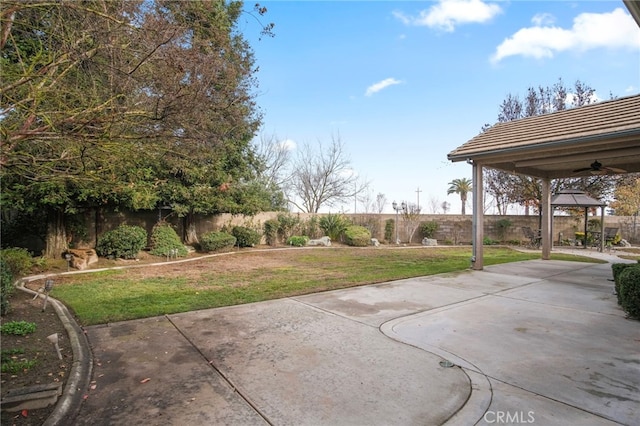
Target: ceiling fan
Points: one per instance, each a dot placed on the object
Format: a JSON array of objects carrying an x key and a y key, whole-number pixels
[{"x": 597, "y": 168}]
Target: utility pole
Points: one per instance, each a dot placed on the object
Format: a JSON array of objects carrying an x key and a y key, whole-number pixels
[{"x": 418, "y": 191}]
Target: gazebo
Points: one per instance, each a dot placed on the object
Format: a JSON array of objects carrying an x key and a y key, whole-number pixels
[
  {"x": 575, "y": 198},
  {"x": 595, "y": 139}
]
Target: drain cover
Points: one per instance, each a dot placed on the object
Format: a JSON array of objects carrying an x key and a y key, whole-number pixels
[{"x": 446, "y": 364}]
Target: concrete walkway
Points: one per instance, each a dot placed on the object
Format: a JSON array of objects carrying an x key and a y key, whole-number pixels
[{"x": 540, "y": 342}]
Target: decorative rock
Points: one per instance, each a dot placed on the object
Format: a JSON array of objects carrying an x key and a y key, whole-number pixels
[
  {"x": 375, "y": 242},
  {"x": 324, "y": 241},
  {"x": 82, "y": 258},
  {"x": 429, "y": 242},
  {"x": 624, "y": 243}
]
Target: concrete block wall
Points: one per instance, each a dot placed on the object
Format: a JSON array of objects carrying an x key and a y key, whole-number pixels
[{"x": 452, "y": 229}]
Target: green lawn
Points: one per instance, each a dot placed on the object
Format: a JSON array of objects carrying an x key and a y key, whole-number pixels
[{"x": 253, "y": 276}]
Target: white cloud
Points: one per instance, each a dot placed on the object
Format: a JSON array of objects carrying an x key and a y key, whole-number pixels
[
  {"x": 288, "y": 144},
  {"x": 630, "y": 89},
  {"x": 543, "y": 19},
  {"x": 375, "y": 88},
  {"x": 615, "y": 29},
  {"x": 447, "y": 14}
]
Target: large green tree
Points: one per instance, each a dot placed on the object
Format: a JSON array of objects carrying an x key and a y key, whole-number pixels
[{"x": 127, "y": 104}]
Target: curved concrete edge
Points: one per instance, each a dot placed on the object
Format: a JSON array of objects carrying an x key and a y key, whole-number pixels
[
  {"x": 480, "y": 392},
  {"x": 69, "y": 403}
]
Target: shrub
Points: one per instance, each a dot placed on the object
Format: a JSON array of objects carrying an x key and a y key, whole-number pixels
[
  {"x": 503, "y": 226},
  {"x": 270, "y": 229},
  {"x": 18, "y": 260},
  {"x": 164, "y": 239},
  {"x": 428, "y": 229},
  {"x": 630, "y": 290},
  {"x": 297, "y": 241},
  {"x": 6, "y": 287},
  {"x": 617, "y": 269},
  {"x": 125, "y": 241},
  {"x": 333, "y": 225},
  {"x": 489, "y": 242},
  {"x": 286, "y": 225},
  {"x": 311, "y": 227},
  {"x": 357, "y": 236},
  {"x": 389, "y": 226},
  {"x": 18, "y": 328},
  {"x": 212, "y": 241},
  {"x": 246, "y": 237}
]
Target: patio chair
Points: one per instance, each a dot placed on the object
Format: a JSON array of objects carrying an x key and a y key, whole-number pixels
[{"x": 534, "y": 237}]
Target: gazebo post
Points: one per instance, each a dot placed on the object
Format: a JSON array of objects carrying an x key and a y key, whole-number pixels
[
  {"x": 546, "y": 219},
  {"x": 602, "y": 241},
  {"x": 477, "y": 260},
  {"x": 586, "y": 219}
]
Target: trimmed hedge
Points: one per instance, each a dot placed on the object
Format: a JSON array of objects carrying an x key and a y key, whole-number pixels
[
  {"x": 297, "y": 241},
  {"x": 125, "y": 241},
  {"x": 212, "y": 241},
  {"x": 246, "y": 237},
  {"x": 630, "y": 290},
  {"x": 617, "y": 269},
  {"x": 357, "y": 236},
  {"x": 164, "y": 239}
]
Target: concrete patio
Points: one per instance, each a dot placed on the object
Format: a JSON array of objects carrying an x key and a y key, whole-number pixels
[{"x": 540, "y": 342}]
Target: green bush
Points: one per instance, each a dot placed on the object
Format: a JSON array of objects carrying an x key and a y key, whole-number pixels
[
  {"x": 333, "y": 226},
  {"x": 389, "y": 226},
  {"x": 287, "y": 225},
  {"x": 165, "y": 241},
  {"x": 212, "y": 241},
  {"x": 125, "y": 241},
  {"x": 630, "y": 290},
  {"x": 246, "y": 237},
  {"x": 489, "y": 242},
  {"x": 357, "y": 236},
  {"x": 18, "y": 328},
  {"x": 503, "y": 226},
  {"x": 6, "y": 287},
  {"x": 270, "y": 229},
  {"x": 18, "y": 260},
  {"x": 311, "y": 227},
  {"x": 428, "y": 229},
  {"x": 617, "y": 269},
  {"x": 297, "y": 241}
]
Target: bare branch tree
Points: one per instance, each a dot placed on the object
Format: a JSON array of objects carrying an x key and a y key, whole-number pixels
[
  {"x": 275, "y": 158},
  {"x": 380, "y": 203},
  {"x": 323, "y": 177}
]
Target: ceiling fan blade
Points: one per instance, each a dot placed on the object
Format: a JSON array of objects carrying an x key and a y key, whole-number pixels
[
  {"x": 614, "y": 170},
  {"x": 584, "y": 169}
]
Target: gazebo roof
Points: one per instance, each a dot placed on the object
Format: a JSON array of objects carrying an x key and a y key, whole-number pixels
[
  {"x": 557, "y": 145},
  {"x": 574, "y": 198}
]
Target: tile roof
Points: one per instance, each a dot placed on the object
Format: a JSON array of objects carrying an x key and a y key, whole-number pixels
[{"x": 603, "y": 131}]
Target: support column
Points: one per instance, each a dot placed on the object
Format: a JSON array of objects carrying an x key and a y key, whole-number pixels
[
  {"x": 545, "y": 205},
  {"x": 477, "y": 261}
]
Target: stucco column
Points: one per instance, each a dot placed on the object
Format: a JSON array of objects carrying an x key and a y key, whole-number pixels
[
  {"x": 547, "y": 240},
  {"x": 477, "y": 261}
]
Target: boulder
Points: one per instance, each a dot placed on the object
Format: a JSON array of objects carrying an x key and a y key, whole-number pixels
[
  {"x": 324, "y": 241},
  {"x": 429, "y": 242},
  {"x": 375, "y": 242},
  {"x": 82, "y": 258}
]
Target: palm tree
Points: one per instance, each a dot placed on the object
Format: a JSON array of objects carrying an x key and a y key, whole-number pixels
[{"x": 462, "y": 187}]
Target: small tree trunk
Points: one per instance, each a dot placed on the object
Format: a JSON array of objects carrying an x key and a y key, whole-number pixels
[
  {"x": 56, "y": 235},
  {"x": 191, "y": 236}
]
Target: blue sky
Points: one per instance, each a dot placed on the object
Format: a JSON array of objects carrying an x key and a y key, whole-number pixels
[{"x": 403, "y": 83}]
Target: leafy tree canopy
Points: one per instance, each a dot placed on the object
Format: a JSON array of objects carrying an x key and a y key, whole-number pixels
[{"x": 127, "y": 103}]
